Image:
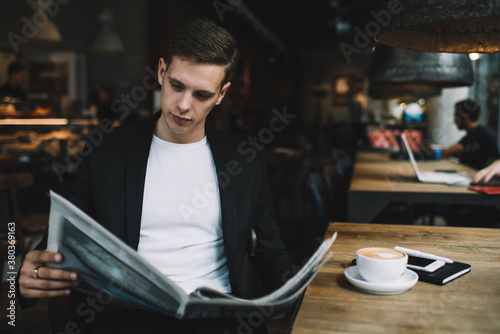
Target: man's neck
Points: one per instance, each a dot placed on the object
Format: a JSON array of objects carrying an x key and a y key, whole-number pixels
[
  {"x": 163, "y": 132},
  {"x": 471, "y": 126}
]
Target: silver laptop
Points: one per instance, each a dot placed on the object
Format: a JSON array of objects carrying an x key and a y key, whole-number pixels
[{"x": 435, "y": 177}]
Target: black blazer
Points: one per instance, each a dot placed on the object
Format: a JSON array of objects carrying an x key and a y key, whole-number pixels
[{"x": 109, "y": 186}]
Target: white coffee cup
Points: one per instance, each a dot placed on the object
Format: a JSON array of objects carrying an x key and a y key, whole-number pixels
[{"x": 381, "y": 265}]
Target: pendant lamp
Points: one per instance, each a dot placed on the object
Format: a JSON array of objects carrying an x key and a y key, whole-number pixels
[
  {"x": 45, "y": 30},
  {"x": 457, "y": 26},
  {"x": 106, "y": 41},
  {"x": 406, "y": 69}
]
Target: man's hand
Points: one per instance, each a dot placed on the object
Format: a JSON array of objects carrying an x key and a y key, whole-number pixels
[
  {"x": 456, "y": 150},
  {"x": 487, "y": 173},
  {"x": 37, "y": 281}
]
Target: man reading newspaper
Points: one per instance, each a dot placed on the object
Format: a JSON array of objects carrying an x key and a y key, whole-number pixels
[{"x": 184, "y": 196}]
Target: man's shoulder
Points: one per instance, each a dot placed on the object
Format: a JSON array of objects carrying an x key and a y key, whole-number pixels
[
  {"x": 222, "y": 139},
  {"x": 480, "y": 131},
  {"x": 241, "y": 150},
  {"x": 475, "y": 132},
  {"x": 106, "y": 139},
  {"x": 480, "y": 135},
  {"x": 483, "y": 129}
]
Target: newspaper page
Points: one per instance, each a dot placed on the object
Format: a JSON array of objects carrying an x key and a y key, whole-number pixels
[{"x": 109, "y": 268}]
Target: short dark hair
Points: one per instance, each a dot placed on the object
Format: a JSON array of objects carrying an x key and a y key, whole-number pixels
[
  {"x": 204, "y": 42},
  {"x": 15, "y": 67},
  {"x": 468, "y": 109}
]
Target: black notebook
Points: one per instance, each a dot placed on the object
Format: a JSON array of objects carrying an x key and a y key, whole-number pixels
[
  {"x": 493, "y": 182},
  {"x": 445, "y": 274}
]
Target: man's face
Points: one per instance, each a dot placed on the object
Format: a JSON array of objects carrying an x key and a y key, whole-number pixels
[
  {"x": 189, "y": 91},
  {"x": 19, "y": 77},
  {"x": 459, "y": 120}
]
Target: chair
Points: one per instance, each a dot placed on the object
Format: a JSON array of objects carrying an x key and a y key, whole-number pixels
[
  {"x": 343, "y": 162},
  {"x": 29, "y": 231},
  {"x": 33, "y": 226},
  {"x": 319, "y": 199},
  {"x": 338, "y": 187},
  {"x": 326, "y": 191},
  {"x": 286, "y": 172}
]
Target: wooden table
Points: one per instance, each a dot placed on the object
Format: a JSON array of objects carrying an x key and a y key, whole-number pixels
[
  {"x": 469, "y": 304},
  {"x": 378, "y": 181}
]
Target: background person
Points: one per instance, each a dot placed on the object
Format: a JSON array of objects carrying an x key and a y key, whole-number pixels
[
  {"x": 100, "y": 102},
  {"x": 478, "y": 148},
  {"x": 13, "y": 87}
]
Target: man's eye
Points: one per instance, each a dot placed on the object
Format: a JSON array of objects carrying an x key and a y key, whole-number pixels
[
  {"x": 176, "y": 87},
  {"x": 202, "y": 96}
]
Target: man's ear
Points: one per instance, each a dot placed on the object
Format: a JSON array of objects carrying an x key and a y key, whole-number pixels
[
  {"x": 222, "y": 92},
  {"x": 162, "y": 69}
]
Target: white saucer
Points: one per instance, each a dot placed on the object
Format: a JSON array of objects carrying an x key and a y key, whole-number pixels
[{"x": 408, "y": 280}]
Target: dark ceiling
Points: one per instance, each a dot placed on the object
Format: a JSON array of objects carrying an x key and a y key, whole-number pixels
[
  {"x": 303, "y": 20},
  {"x": 292, "y": 25}
]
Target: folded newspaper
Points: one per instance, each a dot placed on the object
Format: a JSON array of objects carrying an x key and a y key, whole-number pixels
[{"x": 109, "y": 268}]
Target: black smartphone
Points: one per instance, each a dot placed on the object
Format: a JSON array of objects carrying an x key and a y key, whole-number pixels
[
  {"x": 422, "y": 264},
  {"x": 446, "y": 170}
]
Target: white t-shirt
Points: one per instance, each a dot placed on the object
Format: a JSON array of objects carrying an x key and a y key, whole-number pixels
[{"x": 181, "y": 232}]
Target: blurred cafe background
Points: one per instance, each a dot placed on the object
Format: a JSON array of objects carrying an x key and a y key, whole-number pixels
[{"x": 66, "y": 65}]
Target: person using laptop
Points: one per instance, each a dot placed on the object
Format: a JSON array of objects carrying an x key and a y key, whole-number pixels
[
  {"x": 478, "y": 148},
  {"x": 434, "y": 177}
]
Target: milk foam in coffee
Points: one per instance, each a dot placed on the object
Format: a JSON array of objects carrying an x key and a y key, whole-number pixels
[{"x": 381, "y": 253}]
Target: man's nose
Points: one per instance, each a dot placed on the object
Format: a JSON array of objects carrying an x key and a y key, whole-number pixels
[{"x": 184, "y": 104}]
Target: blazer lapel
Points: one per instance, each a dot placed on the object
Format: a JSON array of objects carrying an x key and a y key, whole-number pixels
[
  {"x": 137, "y": 160},
  {"x": 222, "y": 155}
]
